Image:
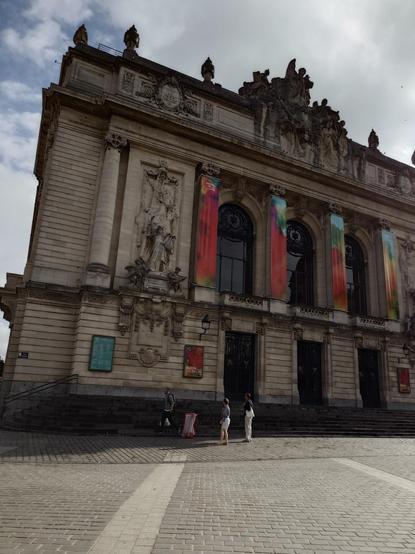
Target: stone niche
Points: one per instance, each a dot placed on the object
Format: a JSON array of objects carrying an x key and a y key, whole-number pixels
[{"x": 157, "y": 223}]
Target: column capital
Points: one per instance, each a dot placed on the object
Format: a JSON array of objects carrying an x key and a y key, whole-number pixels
[
  {"x": 383, "y": 224},
  {"x": 334, "y": 208},
  {"x": 209, "y": 169},
  {"x": 277, "y": 190},
  {"x": 116, "y": 141}
]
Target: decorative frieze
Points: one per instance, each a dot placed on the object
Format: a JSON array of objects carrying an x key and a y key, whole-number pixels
[{"x": 167, "y": 93}]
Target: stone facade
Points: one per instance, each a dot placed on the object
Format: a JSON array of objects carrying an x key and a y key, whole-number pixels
[{"x": 122, "y": 147}]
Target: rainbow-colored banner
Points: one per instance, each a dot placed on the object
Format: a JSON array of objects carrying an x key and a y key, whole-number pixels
[
  {"x": 338, "y": 262},
  {"x": 207, "y": 230},
  {"x": 278, "y": 235},
  {"x": 391, "y": 280}
]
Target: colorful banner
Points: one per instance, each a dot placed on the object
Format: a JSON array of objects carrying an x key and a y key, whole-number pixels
[
  {"x": 338, "y": 262},
  {"x": 278, "y": 235},
  {"x": 391, "y": 280},
  {"x": 207, "y": 230}
]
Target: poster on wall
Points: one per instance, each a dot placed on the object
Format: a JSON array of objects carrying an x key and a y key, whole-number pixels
[
  {"x": 102, "y": 352},
  {"x": 338, "y": 262},
  {"x": 207, "y": 230},
  {"x": 278, "y": 233},
  {"x": 404, "y": 384},
  {"x": 193, "y": 361},
  {"x": 391, "y": 281}
]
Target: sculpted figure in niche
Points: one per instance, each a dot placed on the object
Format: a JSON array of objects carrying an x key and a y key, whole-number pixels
[
  {"x": 158, "y": 231},
  {"x": 137, "y": 273},
  {"x": 328, "y": 152},
  {"x": 175, "y": 280}
]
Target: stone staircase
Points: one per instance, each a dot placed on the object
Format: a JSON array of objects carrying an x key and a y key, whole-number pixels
[{"x": 81, "y": 414}]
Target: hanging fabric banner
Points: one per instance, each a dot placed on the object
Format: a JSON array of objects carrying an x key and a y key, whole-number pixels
[
  {"x": 338, "y": 262},
  {"x": 278, "y": 236},
  {"x": 207, "y": 229},
  {"x": 391, "y": 281}
]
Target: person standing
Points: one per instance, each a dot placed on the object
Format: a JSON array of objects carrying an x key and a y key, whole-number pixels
[
  {"x": 168, "y": 410},
  {"x": 225, "y": 421},
  {"x": 249, "y": 416}
]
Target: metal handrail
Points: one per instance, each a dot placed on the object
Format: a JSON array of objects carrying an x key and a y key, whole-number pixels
[{"x": 39, "y": 388}]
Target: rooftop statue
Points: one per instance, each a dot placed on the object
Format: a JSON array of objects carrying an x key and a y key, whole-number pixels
[
  {"x": 208, "y": 71},
  {"x": 259, "y": 84},
  {"x": 131, "y": 38},
  {"x": 283, "y": 115},
  {"x": 80, "y": 36},
  {"x": 373, "y": 140},
  {"x": 413, "y": 158},
  {"x": 298, "y": 85}
]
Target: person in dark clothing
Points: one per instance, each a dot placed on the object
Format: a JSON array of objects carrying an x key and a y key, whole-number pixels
[
  {"x": 168, "y": 410},
  {"x": 249, "y": 415}
]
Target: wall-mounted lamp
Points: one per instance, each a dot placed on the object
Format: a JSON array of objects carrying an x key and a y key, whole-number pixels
[
  {"x": 405, "y": 349},
  {"x": 205, "y": 326}
]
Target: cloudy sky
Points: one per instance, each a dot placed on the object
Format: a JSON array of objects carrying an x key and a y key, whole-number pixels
[{"x": 359, "y": 53}]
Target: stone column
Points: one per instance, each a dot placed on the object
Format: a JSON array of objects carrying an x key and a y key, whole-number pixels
[
  {"x": 358, "y": 343},
  {"x": 98, "y": 272},
  {"x": 328, "y": 367},
  {"x": 260, "y": 388},
  {"x": 384, "y": 374},
  {"x": 297, "y": 335}
]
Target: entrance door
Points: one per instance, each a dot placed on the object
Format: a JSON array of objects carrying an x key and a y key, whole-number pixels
[
  {"x": 309, "y": 372},
  {"x": 239, "y": 368},
  {"x": 369, "y": 378}
]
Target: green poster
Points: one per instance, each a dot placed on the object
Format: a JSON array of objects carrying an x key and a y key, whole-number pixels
[{"x": 102, "y": 351}]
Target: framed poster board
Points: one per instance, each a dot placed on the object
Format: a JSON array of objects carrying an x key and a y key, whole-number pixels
[
  {"x": 193, "y": 361},
  {"x": 102, "y": 352},
  {"x": 404, "y": 383}
]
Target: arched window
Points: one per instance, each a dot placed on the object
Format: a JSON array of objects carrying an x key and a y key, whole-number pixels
[
  {"x": 234, "y": 255},
  {"x": 355, "y": 277},
  {"x": 299, "y": 264}
]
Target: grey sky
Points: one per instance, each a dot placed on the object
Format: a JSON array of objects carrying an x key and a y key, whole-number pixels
[{"x": 359, "y": 53}]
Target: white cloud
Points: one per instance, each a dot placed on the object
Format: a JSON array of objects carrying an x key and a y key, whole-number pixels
[
  {"x": 159, "y": 23},
  {"x": 40, "y": 43},
  {"x": 18, "y": 139},
  {"x": 4, "y": 336},
  {"x": 65, "y": 11},
  {"x": 16, "y": 91}
]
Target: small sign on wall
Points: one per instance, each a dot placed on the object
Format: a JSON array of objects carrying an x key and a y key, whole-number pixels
[
  {"x": 102, "y": 352},
  {"x": 23, "y": 355},
  {"x": 404, "y": 383},
  {"x": 193, "y": 361}
]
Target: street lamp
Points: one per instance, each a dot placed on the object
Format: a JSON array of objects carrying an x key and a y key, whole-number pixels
[{"x": 205, "y": 326}]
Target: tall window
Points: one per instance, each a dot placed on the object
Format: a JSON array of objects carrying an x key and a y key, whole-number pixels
[
  {"x": 355, "y": 278},
  {"x": 299, "y": 264},
  {"x": 234, "y": 255}
]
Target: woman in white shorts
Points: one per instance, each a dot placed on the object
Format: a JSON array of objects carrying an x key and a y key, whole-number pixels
[{"x": 225, "y": 420}]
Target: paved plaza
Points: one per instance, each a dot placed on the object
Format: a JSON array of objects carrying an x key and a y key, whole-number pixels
[{"x": 119, "y": 494}]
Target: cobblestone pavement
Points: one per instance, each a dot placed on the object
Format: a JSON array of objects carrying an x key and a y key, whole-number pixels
[
  {"x": 56, "y": 449},
  {"x": 155, "y": 495}
]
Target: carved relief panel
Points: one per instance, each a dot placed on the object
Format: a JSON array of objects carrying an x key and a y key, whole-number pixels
[
  {"x": 150, "y": 333},
  {"x": 150, "y": 322}
]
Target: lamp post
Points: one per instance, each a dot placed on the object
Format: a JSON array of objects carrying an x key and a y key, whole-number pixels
[{"x": 205, "y": 326}]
